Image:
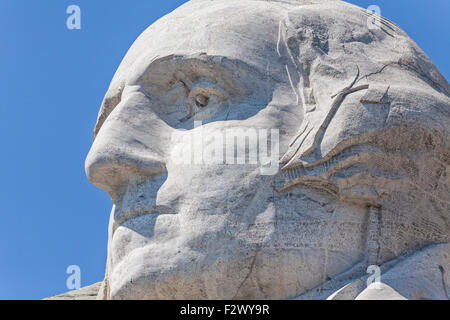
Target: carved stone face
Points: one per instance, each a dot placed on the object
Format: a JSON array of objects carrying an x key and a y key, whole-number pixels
[{"x": 218, "y": 230}]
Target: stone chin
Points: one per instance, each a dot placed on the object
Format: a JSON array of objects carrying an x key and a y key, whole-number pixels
[
  {"x": 363, "y": 118},
  {"x": 263, "y": 250}
]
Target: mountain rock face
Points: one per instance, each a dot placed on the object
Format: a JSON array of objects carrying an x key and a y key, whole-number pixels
[
  {"x": 272, "y": 150},
  {"x": 85, "y": 293}
]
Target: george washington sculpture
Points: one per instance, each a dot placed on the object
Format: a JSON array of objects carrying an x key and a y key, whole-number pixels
[{"x": 354, "y": 118}]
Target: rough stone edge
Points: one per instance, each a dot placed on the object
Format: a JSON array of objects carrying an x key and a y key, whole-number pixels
[{"x": 86, "y": 293}]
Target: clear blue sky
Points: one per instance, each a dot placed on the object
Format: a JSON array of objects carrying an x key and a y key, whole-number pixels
[{"x": 52, "y": 81}]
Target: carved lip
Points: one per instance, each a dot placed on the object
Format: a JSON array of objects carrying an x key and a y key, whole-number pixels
[{"x": 140, "y": 211}]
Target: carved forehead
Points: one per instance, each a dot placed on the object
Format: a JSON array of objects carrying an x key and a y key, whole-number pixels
[
  {"x": 241, "y": 30},
  {"x": 234, "y": 29}
]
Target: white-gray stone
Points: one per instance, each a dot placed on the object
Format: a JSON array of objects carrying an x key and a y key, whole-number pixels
[
  {"x": 383, "y": 292},
  {"x": 363, "y": 117},
  {"x": 85, "y": 293}
]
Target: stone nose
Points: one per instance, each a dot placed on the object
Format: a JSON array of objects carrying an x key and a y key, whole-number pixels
[{"x": 132, "y": 144}]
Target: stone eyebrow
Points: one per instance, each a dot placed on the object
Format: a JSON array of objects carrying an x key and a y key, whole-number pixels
[
  {"x": 114, "y": 95},
  {"x": 187, "y": 69},
  {"x": 183, "y": 74},
  {"x": 109, "y": 103}
]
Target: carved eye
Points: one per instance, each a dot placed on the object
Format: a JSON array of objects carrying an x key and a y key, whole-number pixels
[
  {"x": 200, "y": 96},
  {"x": 201, "y": 100}
]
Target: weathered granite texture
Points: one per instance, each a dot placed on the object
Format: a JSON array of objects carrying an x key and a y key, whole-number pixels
[
  {"x": 363, "y": 120},
  {"x": 85, "y": 293}
]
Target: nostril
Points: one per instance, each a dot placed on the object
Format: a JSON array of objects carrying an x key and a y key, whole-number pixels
[{"x": 112, "y": 171}]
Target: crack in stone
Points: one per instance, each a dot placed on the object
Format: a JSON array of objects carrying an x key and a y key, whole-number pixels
[
  {"x": 252, "y": 264},
  {"x": 406, "y": 66},
  {"x": 441, "y": 268}
]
